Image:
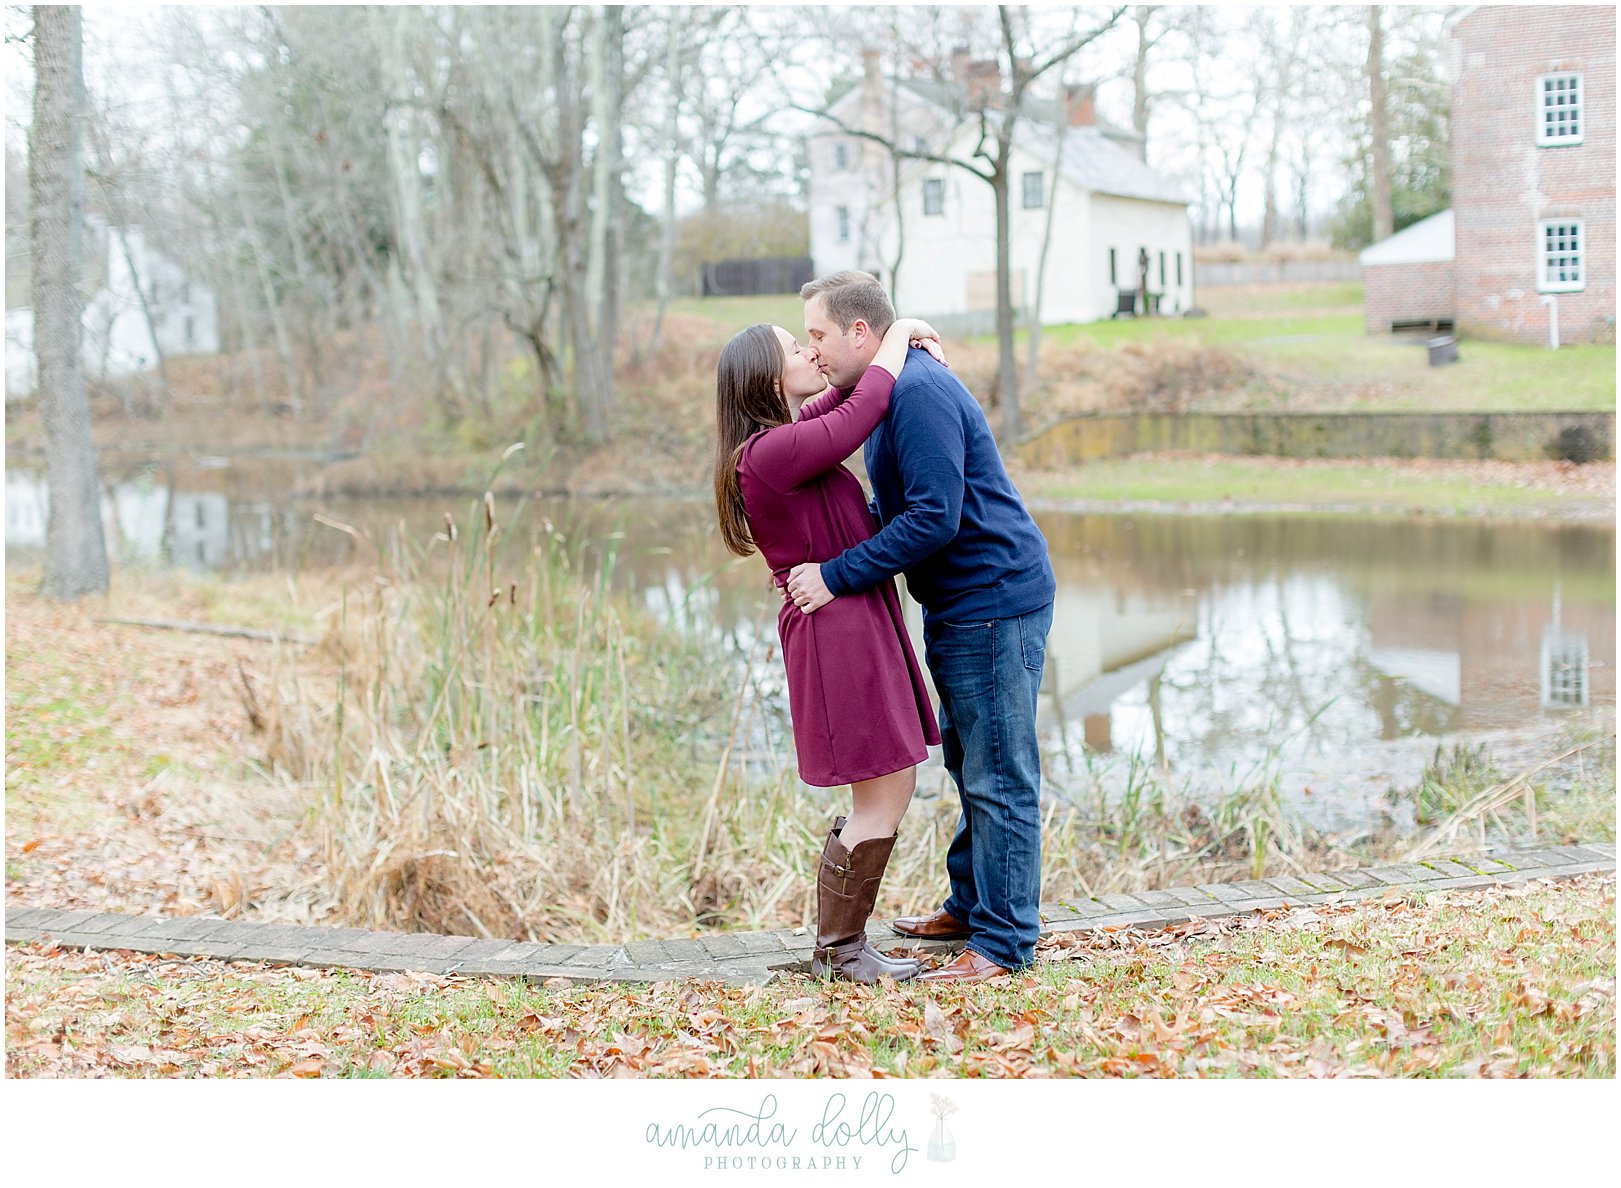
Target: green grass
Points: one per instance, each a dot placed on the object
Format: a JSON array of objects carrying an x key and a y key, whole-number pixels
[
  {"x": 1228, "y": 301},
  {"x": 1264, "y": 485}
]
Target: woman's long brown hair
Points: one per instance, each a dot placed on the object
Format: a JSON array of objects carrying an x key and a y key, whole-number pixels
[{"x": 748, "y": 398}]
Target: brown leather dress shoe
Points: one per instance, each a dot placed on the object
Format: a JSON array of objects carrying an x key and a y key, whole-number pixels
[
  {"x": 939, "y": 925},
  {"x": 968, "y": 967}
]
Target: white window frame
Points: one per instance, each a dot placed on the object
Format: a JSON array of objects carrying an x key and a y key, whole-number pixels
[
  {"x": 841, "y": 220},
  {"x": 937, "y": 187},
  {"x": 1544, "y": 284},
  {"x": 1544, "y": 139},
  {"x": 1041, "y": 190},
  {"x": 841, "y": 155}
]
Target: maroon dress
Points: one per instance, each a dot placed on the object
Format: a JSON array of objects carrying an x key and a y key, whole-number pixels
[{"x": 856, "y": 693}]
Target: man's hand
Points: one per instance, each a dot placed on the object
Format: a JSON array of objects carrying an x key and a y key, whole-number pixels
[{"x": 806, "y": 590}]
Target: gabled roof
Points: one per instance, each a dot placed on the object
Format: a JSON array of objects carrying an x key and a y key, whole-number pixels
[
  {"x": 1096, "y": 162},
  {"x": 1091, "y": 160},
  {"x": 1428, "y": 241},
  {"x": 946, "y": 97}
]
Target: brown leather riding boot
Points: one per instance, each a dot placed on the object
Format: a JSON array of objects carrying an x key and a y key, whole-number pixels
[{"x": 846, "y": 888}]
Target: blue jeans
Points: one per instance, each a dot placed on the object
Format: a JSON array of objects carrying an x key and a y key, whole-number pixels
[{"x": 987, "y": 676}]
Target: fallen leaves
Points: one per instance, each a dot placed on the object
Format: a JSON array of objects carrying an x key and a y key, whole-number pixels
[{"x": 1497, "y": 984}]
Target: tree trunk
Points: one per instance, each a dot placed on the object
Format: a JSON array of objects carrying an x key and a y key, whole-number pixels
[
  {"x": 1271, "y": 221},
  {"x": 75, "y": 550},
  {"x": 672, "y": 158},
  {"x": 1007, "y": 369},
  {"x": 1384, "y": 223},
  {"x": 1033, "y": 353},
  {"x": 1139, "y": 71},
  {"x": 406, "y": 198},
  {"x": 278, "y": 324},
  {"x": 598, "y": 308}
]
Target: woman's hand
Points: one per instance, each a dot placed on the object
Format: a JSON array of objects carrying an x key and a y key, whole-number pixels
[{"x": 920, "y": 334}]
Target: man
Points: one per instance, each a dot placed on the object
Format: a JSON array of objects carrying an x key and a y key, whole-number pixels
[{"x": 951, "y": 521}]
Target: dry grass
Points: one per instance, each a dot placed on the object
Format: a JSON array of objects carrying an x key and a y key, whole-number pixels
[{"x": 550, "y": 762}]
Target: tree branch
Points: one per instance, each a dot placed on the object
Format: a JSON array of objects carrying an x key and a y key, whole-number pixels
[{"x": 906, "y": 154}]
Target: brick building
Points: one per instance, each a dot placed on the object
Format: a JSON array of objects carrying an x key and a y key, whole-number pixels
[
  {"x": 1533, "y": 184},
  {"x": 1407, "y": 280}
]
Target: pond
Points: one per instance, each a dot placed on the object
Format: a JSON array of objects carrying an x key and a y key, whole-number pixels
[{"x": 1334, "y": 652}]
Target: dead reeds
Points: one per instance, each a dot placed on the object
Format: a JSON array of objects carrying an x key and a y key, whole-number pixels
[{"x": 496, "y": 742}]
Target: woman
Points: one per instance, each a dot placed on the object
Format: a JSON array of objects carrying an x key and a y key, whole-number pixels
[{"x": 860, "y": 708}]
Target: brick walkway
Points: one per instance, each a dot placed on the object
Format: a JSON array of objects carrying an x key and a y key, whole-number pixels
[{"x": 748, "y": 957}]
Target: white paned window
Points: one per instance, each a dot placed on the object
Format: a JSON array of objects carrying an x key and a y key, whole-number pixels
[
  {"x": 934, "y": 196},
  {"x": 1032, "y": 191},
  {"x": 1559, "y": 256},
  {"x": 1559, "y": 109},
  {"x": 843, "y": 213},
  {"x": 841, "y": 155}
]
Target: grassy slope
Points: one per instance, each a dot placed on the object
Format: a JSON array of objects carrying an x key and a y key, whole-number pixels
[{"x": 1311, "y": 338}]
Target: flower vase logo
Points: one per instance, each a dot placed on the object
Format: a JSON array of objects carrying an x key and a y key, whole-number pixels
[{"x": 942, "y": 1143}]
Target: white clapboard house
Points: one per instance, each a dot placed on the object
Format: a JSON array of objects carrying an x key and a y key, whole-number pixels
[{"x": 929, "y": 229}]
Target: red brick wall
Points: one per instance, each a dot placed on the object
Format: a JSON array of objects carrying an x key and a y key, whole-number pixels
[
  {"x": 1407, "y": 293},
  {"x": 1504, "y": 183}
]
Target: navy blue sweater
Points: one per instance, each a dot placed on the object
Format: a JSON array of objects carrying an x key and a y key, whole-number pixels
[{"x": 950, "y": 518}]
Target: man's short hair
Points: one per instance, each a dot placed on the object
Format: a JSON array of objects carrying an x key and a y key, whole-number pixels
[{"x": 849, "y": 295}]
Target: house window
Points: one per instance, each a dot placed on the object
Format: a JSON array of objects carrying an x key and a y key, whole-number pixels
[
  {"x": 1559, "y": 109},
  {"x": 919, "y": 145},
  {"x": 841, "y": 155},
  {"x": 1560, "y": 256},
  {"x": 191, "y": 330},
  {"x": 185, "y": 293},
  {"x": 1564, "y": 667},
  {"x": 934, "y": 196},
  {"x": 844, "y": 224},
  {"x": 1162, "y": 270},
  {"x": 1114, "y": 269},
  {"x": 1032, "y": 191},
  {"x": 1179, "y": 269}
]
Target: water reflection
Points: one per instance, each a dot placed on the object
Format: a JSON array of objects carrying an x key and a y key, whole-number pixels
[
  {"x": 148, "y": 520},
  {"x": 1185, "y": 640}
]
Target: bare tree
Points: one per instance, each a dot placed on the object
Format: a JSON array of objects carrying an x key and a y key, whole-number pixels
[
  {"x": 992, "y": 115},
  {"x": 1384, "y": 221},
  {"x": 1224, "y": 116},
  {"x": 1283, "y": 43},
  {"x": 75, "y": 549},
  {"x": 674, "y": 79},
  {"x": 1151, "y": 30}
]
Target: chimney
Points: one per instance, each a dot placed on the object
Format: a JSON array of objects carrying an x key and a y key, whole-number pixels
[
  {"x": 1080, "y": 106},
  {"x": 984, "y": 83},
  {"x": 872, "y": 91}
]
